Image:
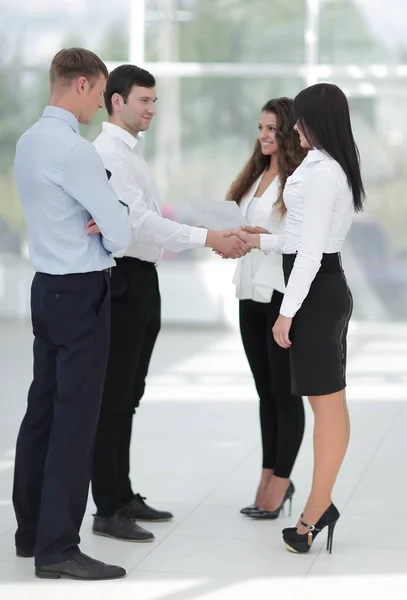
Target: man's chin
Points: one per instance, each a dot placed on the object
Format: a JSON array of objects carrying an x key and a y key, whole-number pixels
[{"x": 85, "y": 120}]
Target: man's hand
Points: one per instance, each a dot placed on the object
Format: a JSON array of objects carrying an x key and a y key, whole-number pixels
[
  {"x": 91, "y": 227},
  {"x": 227, "y": 246},
  {"x": 281, "y": 331},
  {"x": 251, "y": 239}
]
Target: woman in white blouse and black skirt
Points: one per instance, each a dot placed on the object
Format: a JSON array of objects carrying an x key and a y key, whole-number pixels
[
  {"x": 321, "y": 197},
  {"x": 259, "y": 287}
]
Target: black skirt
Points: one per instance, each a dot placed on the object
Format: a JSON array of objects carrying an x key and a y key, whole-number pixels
[{"x": 319, "y": 330}]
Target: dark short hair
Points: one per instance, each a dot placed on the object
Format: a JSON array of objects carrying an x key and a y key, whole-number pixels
[
  {"x": 121, "y": 81},
  {"x": 68, "y": 64},
  {"x": 322, "y": 111}
]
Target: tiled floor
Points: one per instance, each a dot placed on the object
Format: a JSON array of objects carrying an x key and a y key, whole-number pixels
[{"x": 196, "y": 452}]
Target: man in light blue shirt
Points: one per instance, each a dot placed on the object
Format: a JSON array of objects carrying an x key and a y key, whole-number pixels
[
  {"x": 61, "y": 182},
  {"x": 62, "y": 185}
]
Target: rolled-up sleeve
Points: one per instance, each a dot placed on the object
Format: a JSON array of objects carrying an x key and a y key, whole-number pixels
[
  {"x": 84, "y": 178},
  {"x": 148, "y": 226}
]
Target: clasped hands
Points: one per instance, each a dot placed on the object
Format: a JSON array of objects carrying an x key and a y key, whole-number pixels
[
  {"x": 231, "y": 243},
  {"x": 234, "y": 243}
]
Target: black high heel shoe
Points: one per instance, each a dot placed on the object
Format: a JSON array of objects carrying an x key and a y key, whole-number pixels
[
  {"x": 289, "y": 530},
  {"x": 274, "y": 514},
  {"x": 301, "y": 543},
  {"x": 249, "y": 509}
]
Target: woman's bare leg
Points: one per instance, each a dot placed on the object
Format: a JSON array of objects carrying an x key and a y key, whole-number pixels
[{"x": 331, "y": 438}]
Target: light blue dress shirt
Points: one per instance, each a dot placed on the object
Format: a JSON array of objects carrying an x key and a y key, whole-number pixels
[{"x": 62, "y": 183}]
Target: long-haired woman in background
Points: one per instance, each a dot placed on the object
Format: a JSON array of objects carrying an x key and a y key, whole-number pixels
[
  {"x": 259, "y": 286},
  {"x": 321, "y": 196}
]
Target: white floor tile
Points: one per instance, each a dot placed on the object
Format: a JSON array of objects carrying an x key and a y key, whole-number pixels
[
  {"x": 379, "y": 530},
  {"x": 360, "y": 561},
  {"x": 196, "y": 452},
  {"x": 328, "y": 587},
  {"x": 227, "y": 522},
  {"x": 221, "y": 556},
  {"x": 170, "y": 586}
]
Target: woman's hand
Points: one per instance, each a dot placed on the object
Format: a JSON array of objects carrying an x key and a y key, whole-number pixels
[
  {"x": 254, "y": 229},
  {"x": 252, "y": 239},
  {"x": 281, "y": 331}
]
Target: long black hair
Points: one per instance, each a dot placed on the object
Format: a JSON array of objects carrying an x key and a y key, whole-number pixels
[{"x": 322, "y": 112}]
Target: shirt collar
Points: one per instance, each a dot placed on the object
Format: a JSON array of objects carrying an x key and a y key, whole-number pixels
[
  {"x": 316, "y": 155},
  {"x": 64, "y": 115},
  {"x": 122, "y": 134}
]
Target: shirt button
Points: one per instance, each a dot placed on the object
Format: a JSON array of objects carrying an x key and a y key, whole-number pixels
[{"x": 57, "y": 296}]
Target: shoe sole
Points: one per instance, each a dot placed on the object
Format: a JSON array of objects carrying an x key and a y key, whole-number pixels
[
  {"x": 46, "y": 575},
  {"x": 113, "y": 537},
  {"x": 154, "y": 520},
  {"x": 263, "y": 518},
  {"x": 290, "y": 549}
]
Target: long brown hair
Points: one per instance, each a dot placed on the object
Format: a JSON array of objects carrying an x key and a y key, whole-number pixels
[{"x": 290, "y": 154}]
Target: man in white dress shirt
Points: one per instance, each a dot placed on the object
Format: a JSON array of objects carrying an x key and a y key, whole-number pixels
[{"x": 135, "y": 299}]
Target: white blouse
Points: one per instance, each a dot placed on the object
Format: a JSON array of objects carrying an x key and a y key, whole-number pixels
[
  {"x": 258, "y": 274},
  {"x": 319, "y": 214}
]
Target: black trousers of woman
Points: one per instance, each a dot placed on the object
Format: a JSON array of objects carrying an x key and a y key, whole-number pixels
[{"x": 281, "y": 413}]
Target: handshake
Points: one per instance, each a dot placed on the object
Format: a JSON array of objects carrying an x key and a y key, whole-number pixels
[
  {"x": 229, "y": 243},
  {"x": 234, "y": 243}
]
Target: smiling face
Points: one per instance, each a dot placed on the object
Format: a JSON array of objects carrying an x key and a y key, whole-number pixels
[
  {"x": 267, "y": 133},
  {"x": 303, "y": 139},
  {"x": 137, "y": 113}
]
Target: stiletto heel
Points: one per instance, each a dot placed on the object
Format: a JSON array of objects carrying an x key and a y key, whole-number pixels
[
  {"x": 291, "y": 506},
  {"x": 301, "y": 543},
  {"x": 274, "y": 514},
  {"x": 330, "y": 539}
]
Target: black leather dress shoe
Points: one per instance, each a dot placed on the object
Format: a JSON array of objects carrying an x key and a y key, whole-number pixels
[
  {"x": 121, "y": 527},
  {"x": 139, "y": 510},
  {"x": 22, "y": 553},
  {"x": 81, "y": 567}
]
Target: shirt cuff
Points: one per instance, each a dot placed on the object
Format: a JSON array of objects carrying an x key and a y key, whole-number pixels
[
  {"x": 270, "y": 242},
  {"x": 198, "y": 236},
  {"x": 289, "y": 307}
]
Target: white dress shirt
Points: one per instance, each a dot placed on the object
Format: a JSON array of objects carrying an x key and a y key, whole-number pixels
[
  {"x": 319, "y": 214},
  {"x": 134, "y": 184},
  {"x": 258, "y": 274}
]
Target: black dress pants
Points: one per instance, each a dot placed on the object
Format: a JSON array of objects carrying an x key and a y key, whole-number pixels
[
  {"x": 53, "y": 465},
  {"x": 135, "y": 324},
  {"x": 281, "y": 413}
]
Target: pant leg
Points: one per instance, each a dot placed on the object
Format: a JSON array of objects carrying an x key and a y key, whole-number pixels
[
  {"x": 34, "y": 434},
  {"x": 253, "y": 329},
  {"x": 290, "y": 408},
  {"x": 132, "y": 308},
  {"x": 150, "y": 338},
  {"x": 77, "y": 310}
]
